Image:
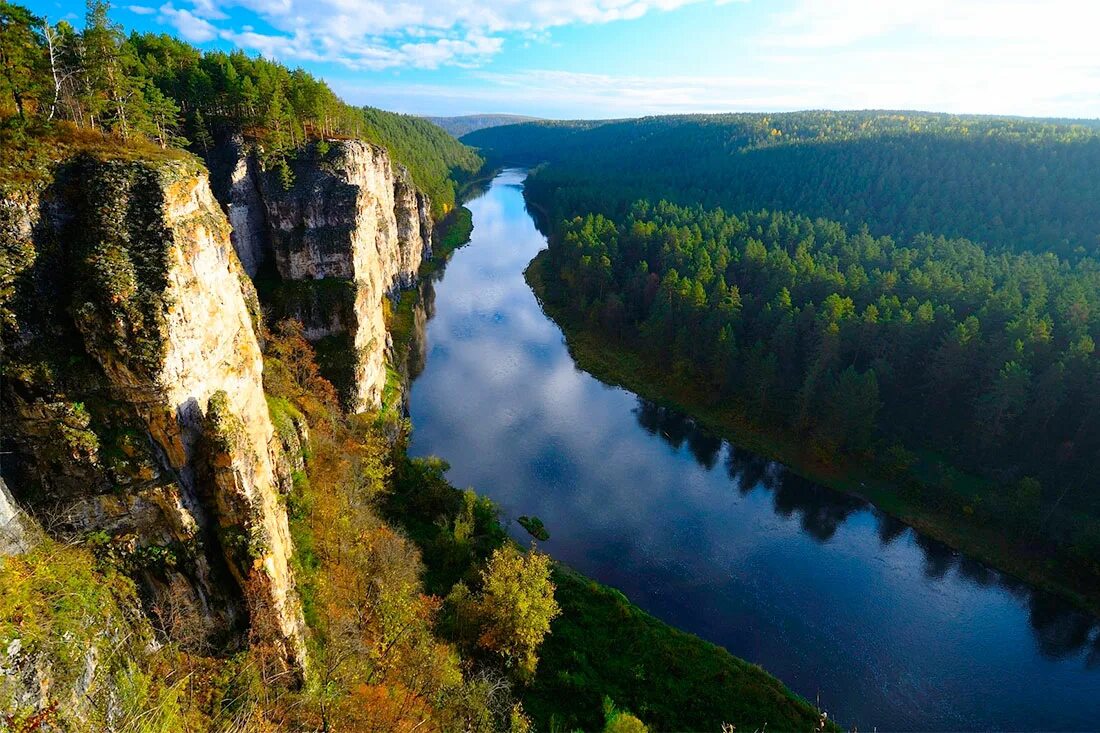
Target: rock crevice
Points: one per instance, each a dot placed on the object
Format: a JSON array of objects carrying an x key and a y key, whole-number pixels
[
  {"x": 351, "y": 230},
  {"x": 134, "y": 325}
]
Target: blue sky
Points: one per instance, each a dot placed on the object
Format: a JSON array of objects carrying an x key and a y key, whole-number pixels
[{"x": 619, "y": 58}]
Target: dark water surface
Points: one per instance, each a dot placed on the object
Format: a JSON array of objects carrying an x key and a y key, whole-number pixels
[{"x": 888, "y": 628}]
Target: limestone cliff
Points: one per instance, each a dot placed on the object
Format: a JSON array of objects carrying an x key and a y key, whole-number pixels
[
  {"x": 133, "y": 412},
  {"x": 246, "y": 214},
  {"x": 133, "y": 397},
  {"x": 350, "y": 230},
  {"x": 16, "y": 529}
]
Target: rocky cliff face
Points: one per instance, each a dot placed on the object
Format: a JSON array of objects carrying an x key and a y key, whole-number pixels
[
  {"x": 16, "y": 529},
  {"x": 246, "y": 214},
  {"x": 351, "y": 230},
  {"x": 133, "y": 413},
  {"x": 133, "y": 395}
]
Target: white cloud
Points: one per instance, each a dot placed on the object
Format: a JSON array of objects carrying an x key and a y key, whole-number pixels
[
  {"x": 589, "y": 95},
  {"x": 995, "y": 56},
  {"x": 992, "y": 56},
  {"x": 208, "y": 9},
  {"x": 883, "y": 80},
  {"x": 190, "y": 26},
  {"x": 140, "y": 9},
  {"x": 468, "y": 51},
  {"x": 379, "y": 34},
  {"x": 1054, "y": 24}
]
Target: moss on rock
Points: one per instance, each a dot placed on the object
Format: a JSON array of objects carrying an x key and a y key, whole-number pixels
[{"x": 121, "y": 244}]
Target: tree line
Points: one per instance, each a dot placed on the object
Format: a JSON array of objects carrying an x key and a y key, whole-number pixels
[
  {"x": 892, "y": 352},
  {"x": 1009, "y": 183},
  {"x": 165, "y": 90},
  {"x": 913, "y": 292}
]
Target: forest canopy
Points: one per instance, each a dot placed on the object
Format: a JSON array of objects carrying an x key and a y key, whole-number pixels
[
  {"x": 912, "y": 293},
  {"x": 165, "y": 90},
  {"x": 1009, "y": 183}
]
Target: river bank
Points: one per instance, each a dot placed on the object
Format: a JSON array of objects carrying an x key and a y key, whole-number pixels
[
  {"x": 879, "y": 623},
  {"x": 602, "y": 645},
  {"x": 618, "y": 365}
]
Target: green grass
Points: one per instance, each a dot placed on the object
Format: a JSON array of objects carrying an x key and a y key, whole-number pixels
[
  {"x": 534, "y": 527},
  {"x": 29, "y": 151},
  {"x": 60, "y": 610},
  {"x": 304, "y": 561},
  {"x": 401, "y": 320},
  {"x": 393, "y": 392},
  {"x": 602, "y": 645},
  {"x": 939, "y": 512}
]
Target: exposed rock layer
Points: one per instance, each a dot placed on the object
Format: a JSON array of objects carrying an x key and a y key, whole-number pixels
[
  {"x": 135, "y": 318},
  {"x": 246, "y": 215},
  {"x": 351, "y": 230},
  {"x": 133, "y": 401},
  {"x": 16, "y": 529}
]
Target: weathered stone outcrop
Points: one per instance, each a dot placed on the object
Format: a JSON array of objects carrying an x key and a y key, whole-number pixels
[
  {"x": 133, "y": 411},
  {"x": 246, "y": 214},
  {"x": 133, "y": 345},
  {"x": 17, "y": 531},
  {"x": 351, "y": 230}
]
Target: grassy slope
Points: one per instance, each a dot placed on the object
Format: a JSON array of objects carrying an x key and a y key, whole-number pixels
[
  {"x": 616, "y": 364},
  {"x": 602, "y": 645},
  {"x": 450, "y": 234}
]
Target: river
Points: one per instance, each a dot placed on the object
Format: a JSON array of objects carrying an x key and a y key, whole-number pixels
[{"x": 885, "y": 627}]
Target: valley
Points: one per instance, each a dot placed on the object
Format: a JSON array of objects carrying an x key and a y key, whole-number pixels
[{"x": 876, "y": 621}]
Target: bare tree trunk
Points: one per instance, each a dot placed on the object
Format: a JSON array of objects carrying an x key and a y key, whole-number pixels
[
  {"x": 48, "y": 32},
  {"x": 116, "y": 97}
]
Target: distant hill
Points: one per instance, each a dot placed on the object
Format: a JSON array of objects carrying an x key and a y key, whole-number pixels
[
  {"x": 459, "y": 126},
  {"x": 1026, "y": 184}
]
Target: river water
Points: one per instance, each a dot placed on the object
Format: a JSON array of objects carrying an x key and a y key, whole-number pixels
[{"x": 885, "y": 627}]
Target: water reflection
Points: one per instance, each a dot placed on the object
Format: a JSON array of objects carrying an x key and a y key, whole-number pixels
[
  {"x": 1060, "y": 630},
  {"x": 892, "y": 629},
  {"x": 423, "y": 311},
  {"x": 675, "y": 428}
]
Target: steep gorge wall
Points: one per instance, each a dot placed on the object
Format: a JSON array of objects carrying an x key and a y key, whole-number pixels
[
  {"x": 133, "y": 395},
  {"x": 16, "y": 529},
  {"x": 351, "y": 230},
  {"x": 133, "y": 413}
]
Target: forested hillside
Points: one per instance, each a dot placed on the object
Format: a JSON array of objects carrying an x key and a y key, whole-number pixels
[
  {"x": 464, "y": 124},
  {"x": 961, "y": 374},
  {"x": 161, "y": 88},
  {"x": 1004, "y": 182}
]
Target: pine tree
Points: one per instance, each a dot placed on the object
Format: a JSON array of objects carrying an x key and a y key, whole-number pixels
[
  {"x": 100, "y": 61},
  {"x": 22, "y": 57}
]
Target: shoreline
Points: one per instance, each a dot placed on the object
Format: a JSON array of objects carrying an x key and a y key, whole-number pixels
[{"x": 619, "y": 366}]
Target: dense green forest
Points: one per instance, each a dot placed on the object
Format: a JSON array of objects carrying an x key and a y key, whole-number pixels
[
  {"x": 963, "y": 372},
  {"x": 464, "y": 124},
  {"x": 163, "y": 89},
  {"x": 1004, "y": 182}
]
